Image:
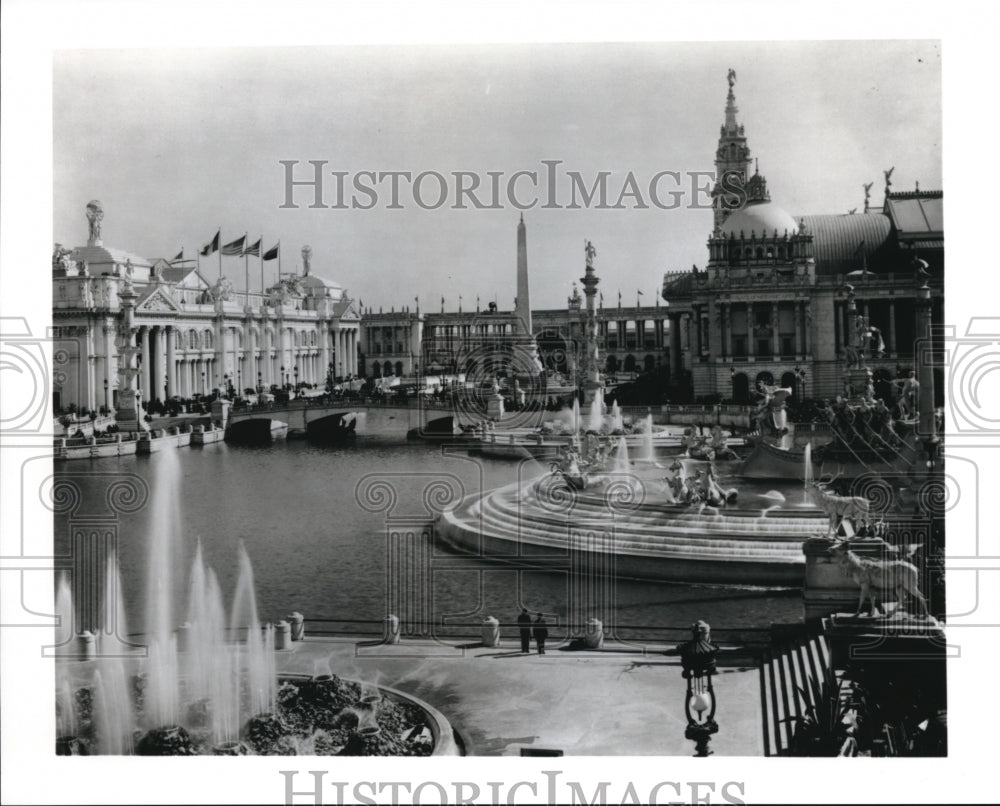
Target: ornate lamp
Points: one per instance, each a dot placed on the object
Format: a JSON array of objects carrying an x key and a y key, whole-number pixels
[{"x": 698, "y": 664}]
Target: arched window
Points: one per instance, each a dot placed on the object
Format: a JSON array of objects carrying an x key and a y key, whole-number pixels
[
  {"x": 376, "y": 369},
  {"x": 630, "y": 363},
  {"x": 399, "y": 369},
  {"x": 765, "y": 378},
  {"x": 649, "y": 363},
  {"x": 760, "y": 253},
  {"x": 387, "y": 368},
  {"x": 207, "y": 342},
  {"x": 612, "y": 364}
]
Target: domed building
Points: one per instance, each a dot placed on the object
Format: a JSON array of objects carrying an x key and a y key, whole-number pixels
[{"x": 771, "y": 303}]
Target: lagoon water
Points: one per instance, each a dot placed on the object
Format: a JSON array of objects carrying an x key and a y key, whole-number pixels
[{"x": 317, "y": 550}]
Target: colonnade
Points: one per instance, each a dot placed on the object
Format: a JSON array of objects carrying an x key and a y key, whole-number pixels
[{"x": 189, "y": 359}]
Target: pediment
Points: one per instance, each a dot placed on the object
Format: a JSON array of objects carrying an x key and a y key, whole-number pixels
[{"x": 158, "y": 301}]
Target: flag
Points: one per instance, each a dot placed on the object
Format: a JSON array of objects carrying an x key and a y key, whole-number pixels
[
  {"x": 211, "y": 247},
  {"x": 235, "y": 247},
  {"x": 639, "y": 293},
  {"x": 253, "y": 249},
  {"x": 178, "y": 256},
  {"x": 272, "y": 253}
]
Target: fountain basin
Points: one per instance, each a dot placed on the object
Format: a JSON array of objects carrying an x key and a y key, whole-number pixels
[{"x": 526, "y": 524}]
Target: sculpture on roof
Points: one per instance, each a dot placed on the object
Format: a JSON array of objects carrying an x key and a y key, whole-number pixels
[
  {"x": 591, "y": 254},
  {"x": 306, "y": 259},
  {"x": 60, "y": 258},
  {"x": 731, "y": 77},
  {"x": 868, "y": 194},
  {"x": 127, "y": 286},
  {"x": 221, "y": 290},
  {"x": 888, "y": 179},
  {"x": 95, "y": 215}
]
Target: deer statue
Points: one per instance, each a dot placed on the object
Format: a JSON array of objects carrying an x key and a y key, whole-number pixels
[
  {"x": 897, "y": 575},
  {"x": 837, "y": 507}
]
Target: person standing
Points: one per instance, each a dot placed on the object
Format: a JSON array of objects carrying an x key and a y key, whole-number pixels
[
  {"x": 524, "y": 625},
  {"x": 541, "y": 632}
]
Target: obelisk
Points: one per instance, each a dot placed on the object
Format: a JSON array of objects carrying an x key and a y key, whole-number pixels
[{"x": 522, "y": 307}]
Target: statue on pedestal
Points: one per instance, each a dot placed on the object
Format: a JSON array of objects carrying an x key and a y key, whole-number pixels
[{"x": 95, "y": 215}]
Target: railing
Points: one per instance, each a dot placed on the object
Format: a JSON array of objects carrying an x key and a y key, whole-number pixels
[{"x": 752, "y": 639}]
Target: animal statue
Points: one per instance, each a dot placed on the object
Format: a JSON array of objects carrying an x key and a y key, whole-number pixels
[
  {"x": 838, "y": 508},
  {"x": 897, "y": 575}
]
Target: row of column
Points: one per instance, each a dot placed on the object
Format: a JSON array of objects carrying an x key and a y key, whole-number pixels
[{"x": 164, "y": 373}]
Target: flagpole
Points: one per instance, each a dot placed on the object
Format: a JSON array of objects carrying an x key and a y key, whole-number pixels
[
  {"x": 260, "y": 257},
  {"x": 220, "y": 252},
  {"x": 246, "y": 272}
]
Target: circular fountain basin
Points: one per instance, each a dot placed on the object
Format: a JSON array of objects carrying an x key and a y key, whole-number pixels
[{"x": 755, "y": 544}]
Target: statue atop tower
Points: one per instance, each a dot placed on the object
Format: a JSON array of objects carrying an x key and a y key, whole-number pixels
[{"x": 591, "y": 360}]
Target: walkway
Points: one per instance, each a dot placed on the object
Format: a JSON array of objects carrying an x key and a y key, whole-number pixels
[{"x": 616, "y": 701}]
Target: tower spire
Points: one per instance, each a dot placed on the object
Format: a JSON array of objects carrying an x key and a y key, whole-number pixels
[{"x": 732, "y": 160}]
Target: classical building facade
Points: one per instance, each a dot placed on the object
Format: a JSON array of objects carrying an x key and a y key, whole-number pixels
[
  {"x": 771, "y": 303},
  {"x": 630, "y": 339},
  {"x": 190, "y": 336}
]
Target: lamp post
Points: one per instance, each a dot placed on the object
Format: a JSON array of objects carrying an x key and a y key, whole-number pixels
[
  {"x": 295, "y": 369},
  {"x": 106, "y": 409},
  {"x": 284, "y": 377},
  {"x": 260, "y": 383},
  {"x": 225, "y": 384},
  {"x": 800, "y": 377},
  {"x": 698, "y": 665},
  {"x": 203, "y": 383},
  {"x": 732, "y": 383}
]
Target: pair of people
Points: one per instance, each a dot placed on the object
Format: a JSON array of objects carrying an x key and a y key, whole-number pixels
[{"x": 538, "y": 628}]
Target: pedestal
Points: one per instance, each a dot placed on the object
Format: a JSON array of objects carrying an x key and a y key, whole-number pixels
[{"x": 494, "y": 407}]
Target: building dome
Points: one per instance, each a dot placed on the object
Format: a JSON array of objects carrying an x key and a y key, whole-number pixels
[{"x": 763, "y": 219}]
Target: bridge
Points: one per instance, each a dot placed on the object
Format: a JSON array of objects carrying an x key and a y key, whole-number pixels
[{"x": 336, "y": 417}]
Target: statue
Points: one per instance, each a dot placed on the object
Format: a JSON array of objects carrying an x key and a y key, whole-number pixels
[
  {"x": 221, "y": 291},
  {"x": 888, "y": 179},
  {"x": 731, "y": 77},
  {"x": 95, "y": 215},
  {"x": 82, "y": 268},
  {"x": 61, "y": 259},
  {"x": 909, "y": 393},
  {"x": 868, "y": 194},
  {"x": 306, "y": 259},
  {"x": 591, "y": 254},
  {"x": 127, "y": 286}
]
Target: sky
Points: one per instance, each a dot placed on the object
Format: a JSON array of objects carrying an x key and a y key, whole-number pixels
[{"x": 177, "y": 143}]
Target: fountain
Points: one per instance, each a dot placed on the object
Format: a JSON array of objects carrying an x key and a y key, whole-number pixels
[
  {"x": 648, "y": 451},
  {"x": 617, "y": 426},
  {"x": 807, "y": 472},
  {"x": 576, "y": 416},
  {"x": 596, "y": 420},
  {"x": 622, "y": 465},
  {"x": 210, "y": 686}
]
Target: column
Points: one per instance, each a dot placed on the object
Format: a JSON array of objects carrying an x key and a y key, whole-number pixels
[
  {"x": 891, "y": 336},
  {"x": 775, "y": 338},
  {"x": 144, "y": 348},
  {"x": 154, "y": 391},
  {"x": 799, "y": 348},
  {"x": 806, "y": 327},
  {"x": 171, "y": 361},
  {"x": 324, "y": 340}
]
